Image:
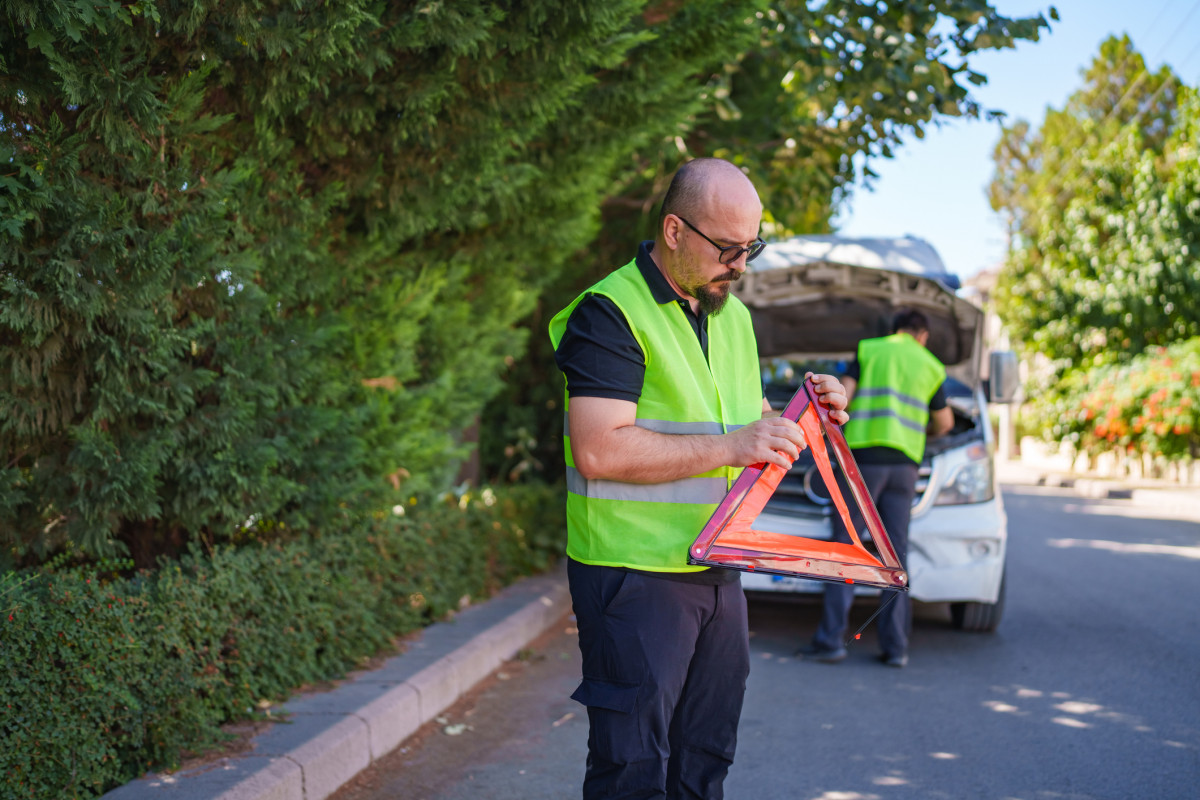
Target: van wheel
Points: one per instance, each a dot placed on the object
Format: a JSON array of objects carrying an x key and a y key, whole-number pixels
[{"x": 979, "y": 617}]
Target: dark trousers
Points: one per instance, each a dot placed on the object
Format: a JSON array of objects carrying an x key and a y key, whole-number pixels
[
  {"x": 664, "y": 673},
  {"x": 892, "y": 487}
]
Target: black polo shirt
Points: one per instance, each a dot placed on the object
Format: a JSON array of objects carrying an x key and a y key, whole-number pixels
[
  {"x": 601, "y": 358},
  {"x": 598, "y": 352}
]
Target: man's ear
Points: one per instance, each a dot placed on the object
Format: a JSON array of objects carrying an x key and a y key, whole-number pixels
[{"x": 672, "y": 228}]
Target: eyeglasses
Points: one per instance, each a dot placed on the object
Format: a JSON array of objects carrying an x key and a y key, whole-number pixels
[{"x": 731, "y": 253}]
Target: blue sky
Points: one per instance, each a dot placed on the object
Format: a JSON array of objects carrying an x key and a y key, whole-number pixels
[{"x": 935, "y": 188}]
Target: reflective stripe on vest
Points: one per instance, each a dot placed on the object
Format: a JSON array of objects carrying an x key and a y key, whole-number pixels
[
  {"x": 908, "y": 400},
  {"x": 667, "y": 426},
  {"x": 684, "y": 490},
  {"x": 650, "y": 526},
  {"x": 897, "y": 379}
]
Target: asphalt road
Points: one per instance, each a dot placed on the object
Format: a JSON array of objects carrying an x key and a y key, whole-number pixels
[{"x": 1089, "y": 689}]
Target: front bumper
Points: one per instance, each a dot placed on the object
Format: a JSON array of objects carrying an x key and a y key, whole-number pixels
[{"x": 955, "y": 553}]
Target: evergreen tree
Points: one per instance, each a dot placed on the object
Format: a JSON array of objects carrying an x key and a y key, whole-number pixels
[{"x": 261, "y": 261}]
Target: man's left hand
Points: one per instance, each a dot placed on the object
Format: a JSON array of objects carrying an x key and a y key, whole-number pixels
[{"x": 831, "y": 392}]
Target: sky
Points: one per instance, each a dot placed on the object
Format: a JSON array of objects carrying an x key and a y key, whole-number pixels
[{"x": 936, "y": 188}]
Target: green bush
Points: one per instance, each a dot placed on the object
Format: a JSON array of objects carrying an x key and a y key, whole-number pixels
[{"x": 103, "y": 677}]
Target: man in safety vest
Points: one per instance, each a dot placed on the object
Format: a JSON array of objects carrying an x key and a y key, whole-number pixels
[
  {"x": 896, "y": 389},
  {"x": 664, "y": 408}
]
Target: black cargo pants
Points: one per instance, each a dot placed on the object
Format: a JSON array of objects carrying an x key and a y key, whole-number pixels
[
  {"x": 664, "y": 673},
  {"x": 892, "y": 488}
]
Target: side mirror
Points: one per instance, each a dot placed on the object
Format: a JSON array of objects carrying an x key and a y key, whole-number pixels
[{"x": 1003, "y": 377}]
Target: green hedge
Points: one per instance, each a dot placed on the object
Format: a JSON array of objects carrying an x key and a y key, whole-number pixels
[
  {"x": 266, "y": 258},
  {"x": 104, "y": 676}
]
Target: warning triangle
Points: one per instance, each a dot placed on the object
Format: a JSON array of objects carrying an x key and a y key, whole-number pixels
[{"x": 729, "y": 540}]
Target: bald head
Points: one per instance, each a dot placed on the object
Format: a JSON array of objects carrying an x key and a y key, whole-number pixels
[
  {"x": 702, "y": 186},
  {"x": 707, "y": 226}
]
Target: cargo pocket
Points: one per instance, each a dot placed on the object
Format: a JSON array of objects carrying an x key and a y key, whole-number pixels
[
  {"x": 615, "y": 727},
  {"x": 620, "y": 697}
]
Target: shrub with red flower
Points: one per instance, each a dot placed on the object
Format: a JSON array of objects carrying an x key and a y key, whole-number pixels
[{"x": 1149, "y": 405}]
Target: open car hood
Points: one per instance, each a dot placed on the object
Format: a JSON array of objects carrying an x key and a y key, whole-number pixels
[{"x": 818, "y": 296}]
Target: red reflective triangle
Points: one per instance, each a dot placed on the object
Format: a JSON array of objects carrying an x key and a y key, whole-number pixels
[{"x": 728, "y": 539}]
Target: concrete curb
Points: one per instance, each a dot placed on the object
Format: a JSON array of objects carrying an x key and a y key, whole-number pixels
[
  {"x": 1185, "y": 503},
  {"x": 329, "y": 738}
]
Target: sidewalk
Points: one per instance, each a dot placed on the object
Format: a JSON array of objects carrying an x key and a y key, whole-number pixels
[
  {"x": 1163, "y": 497},
  {"x": 330, "y": 737}
]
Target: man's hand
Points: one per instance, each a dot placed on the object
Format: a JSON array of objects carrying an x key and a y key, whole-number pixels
[
  {"x": 831, "y": 392},
  {"x": 772, "y": 440}
]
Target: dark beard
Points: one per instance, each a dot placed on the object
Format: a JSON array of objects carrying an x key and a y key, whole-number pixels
[{"x": 712, "y": 298}]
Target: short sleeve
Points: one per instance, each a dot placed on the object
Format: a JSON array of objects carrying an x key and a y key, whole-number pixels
[
  {"x": 598, "y": 353},
  {"x": 939, "y": 398}
]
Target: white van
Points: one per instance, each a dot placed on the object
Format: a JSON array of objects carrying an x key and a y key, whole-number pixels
[{"x": 813, "y": 298}]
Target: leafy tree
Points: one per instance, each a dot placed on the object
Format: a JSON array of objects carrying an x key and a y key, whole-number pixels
[
  {"x": 834, "y": 85},
  {"x": 1103, "y": 202},
  {"x": 1098, "y": 200},
  {"x": 826, "y": 88},
  {"x": 1037, "y": 172},
  {"x": 262, "y": 263}
]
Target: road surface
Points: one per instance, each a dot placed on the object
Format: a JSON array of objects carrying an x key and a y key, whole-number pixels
[{"x": 1090, "y": 689}]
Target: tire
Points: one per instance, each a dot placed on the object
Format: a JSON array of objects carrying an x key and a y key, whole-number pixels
[{"x": 979, "y": 617}]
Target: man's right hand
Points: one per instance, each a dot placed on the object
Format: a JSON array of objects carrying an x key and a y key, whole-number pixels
[{"x": 773, "y": 440}]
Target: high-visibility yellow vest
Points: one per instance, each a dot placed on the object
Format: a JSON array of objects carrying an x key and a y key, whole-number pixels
[
  {"x": 651, "y": 526},
  {"x": 897, "y": 378}
]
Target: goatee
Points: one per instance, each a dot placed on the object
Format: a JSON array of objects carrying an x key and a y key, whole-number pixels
[{"x": 712, "y": 296}]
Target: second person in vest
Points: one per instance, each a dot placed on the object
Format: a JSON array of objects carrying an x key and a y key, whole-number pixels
[{"x": 897, "y": 398}]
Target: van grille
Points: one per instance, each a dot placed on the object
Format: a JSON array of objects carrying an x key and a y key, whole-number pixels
[{"x": 803, "y": 492}]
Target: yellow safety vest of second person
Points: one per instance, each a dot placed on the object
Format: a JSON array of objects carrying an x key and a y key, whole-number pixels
[{"x": 898, "y": 377}]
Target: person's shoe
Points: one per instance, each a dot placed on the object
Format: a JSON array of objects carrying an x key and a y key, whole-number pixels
[
  {"x": 825, "y": 655},
  {"x": 899, "y": 661}
]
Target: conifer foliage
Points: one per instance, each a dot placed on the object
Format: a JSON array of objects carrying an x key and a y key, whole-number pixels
[{"x": 260, "y": 260}]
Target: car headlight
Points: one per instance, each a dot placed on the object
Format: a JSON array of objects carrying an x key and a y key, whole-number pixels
[{"x": 972, "y": 482}]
